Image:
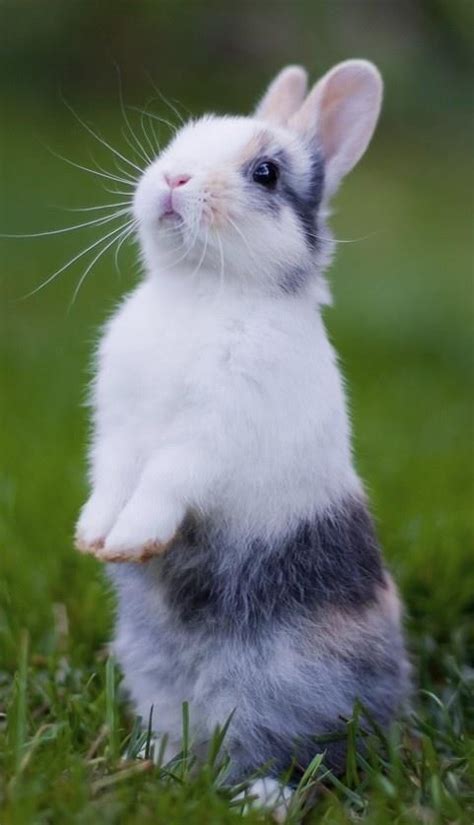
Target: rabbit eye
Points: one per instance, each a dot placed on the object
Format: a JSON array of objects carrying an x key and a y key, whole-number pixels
[{"x": 266, "y": 174}]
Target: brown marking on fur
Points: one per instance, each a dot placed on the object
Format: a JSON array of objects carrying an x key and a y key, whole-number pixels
[
  {"x": 217, "y": 197},
  {"x": 346, "y": 631},
  {"x": 91, "y": 548},
  {"x": 389, "y": 600},
  {"x": 219, "y": 184},
  {"x": 257, "y": 145},
  {"x": 138, "y": 555}
]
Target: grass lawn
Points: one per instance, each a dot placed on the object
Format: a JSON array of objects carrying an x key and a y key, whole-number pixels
[{"x": 402, "y": 323}]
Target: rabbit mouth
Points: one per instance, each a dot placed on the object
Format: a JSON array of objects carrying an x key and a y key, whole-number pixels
[{"x": 170, "y": 216}]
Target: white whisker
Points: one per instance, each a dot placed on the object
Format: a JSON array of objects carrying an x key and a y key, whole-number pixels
[
  {"x": 239, "y": 231},
  {"x": 65, "y": 266},
  {"x": 177, "y": 249},
  {"x": 125, "y": 236},
  {"x": 142, "y": 155},
  {"x": 123, "y": 171},
  {"x": 94, "y": 208},
  {"x": 100, "y": 139},
  {"x": 108, "y": 176},
  {"x": 92, "y": 264},
  {"x": 117, "y": 192},
  {"x": 95, "y": 222},
  {"x": 140, "y": 149},
  {"x": 166, "y": 101},
  {"x": 127, "y": 176},
  {"x": 250, "y": 251},
  {"x": 152, "y": 115},
  {"x": 195, "y": 272},
  {"x": 147, "y": 137},
  {"x": 329, "y": 239},
  {"x": 157, "y": 142},
  {"x": 221, "y": 275},
  {"x": 188, "y": 249}
]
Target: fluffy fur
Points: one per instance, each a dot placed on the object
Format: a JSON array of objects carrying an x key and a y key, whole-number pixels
[{"x": 221, "y": 440}]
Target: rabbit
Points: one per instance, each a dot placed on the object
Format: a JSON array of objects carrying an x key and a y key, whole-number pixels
[{"x": 248, "y": 575}]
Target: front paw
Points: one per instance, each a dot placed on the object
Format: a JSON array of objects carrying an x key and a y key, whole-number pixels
[
  {"x": 92, "y": 548},
  {"x": 140, "y": 534},
  {"x": 95, "y": 522}
]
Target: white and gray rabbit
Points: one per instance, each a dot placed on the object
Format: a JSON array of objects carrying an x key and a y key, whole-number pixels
[{"x": 221, "y": 452}]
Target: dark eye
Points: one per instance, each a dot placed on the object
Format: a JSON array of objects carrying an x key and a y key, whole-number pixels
[{"x": 266, "y": 174}]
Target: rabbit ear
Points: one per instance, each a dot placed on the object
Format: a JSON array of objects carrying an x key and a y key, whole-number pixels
[
  {"x": 284, "y": 95},
  {"x": 340, "y": 114}
]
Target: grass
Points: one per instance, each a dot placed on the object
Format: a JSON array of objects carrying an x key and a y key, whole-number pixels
[{"x": 402, "y": 326}]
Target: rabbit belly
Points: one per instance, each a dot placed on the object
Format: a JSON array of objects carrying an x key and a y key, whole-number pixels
[{"x": 287, "y": 636}]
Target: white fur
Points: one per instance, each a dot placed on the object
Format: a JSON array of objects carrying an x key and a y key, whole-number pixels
[
  {"x": 222, "y": 402},
  {"x": 267, "y": 793},
  {"x": 215, "y": 390}
]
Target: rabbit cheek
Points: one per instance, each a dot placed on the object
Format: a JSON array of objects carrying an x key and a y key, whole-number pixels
[{"x": 217, "y": 200}]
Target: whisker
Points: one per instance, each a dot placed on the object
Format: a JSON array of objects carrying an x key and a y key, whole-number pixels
[
  {"x": 250, "y": 251},
  {"x": 123, "y": 171},
  {"x": 195, "y": 272},
  {"x": 94, "y": 208},
  {"x": 221, "y": 275},
  {"x": 117, "y": 192},
  {"x": 95, "y": 222},
  {"x": 125, "y": 236},
  {"x": 65, "y": 266},
  {"x": 319, "y": 237},
  {"x": 169, "y": 230},
  {"x": 109, "y": 176},
  {"x": 99, "y": 138},
  {"x": 165, "y": 100},
  {"x": 140, "y": 150},
  {"x": 188, "y": 249},
  {"x": 126, "y": 137},
  {"x": 147, "y": 137},
  {"x": 195, "y": 232},
  {"x": 239, "y": 231},
  {"x": 153, "y": 116},
  {"x": 154, "y": 133},
  {"x": 166, "y": 233},
  {"x": 92, "y": 264},
  {"x": 129, "y": 177},
  {"x": 176, "y": 261}
]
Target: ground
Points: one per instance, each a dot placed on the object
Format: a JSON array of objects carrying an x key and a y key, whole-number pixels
[{"x": 401, "y": 322}]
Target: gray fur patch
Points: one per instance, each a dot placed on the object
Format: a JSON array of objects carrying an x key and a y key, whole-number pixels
[
  {"x": 303, "y": 200},
  {"x": 287, "y": 634},
  {"x": 306, "y": 203},
  {"x": 208, "y": 578}
]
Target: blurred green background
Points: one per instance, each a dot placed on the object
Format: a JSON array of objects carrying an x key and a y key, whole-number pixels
[{"x": 402, "y": 320}]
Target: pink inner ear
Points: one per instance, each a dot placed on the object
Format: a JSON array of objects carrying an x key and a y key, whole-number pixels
[
  {"x": 337, "y": 118},
  {"x": 345, "y": 102},
  {"x": 284, "y": 95},
  {"x": 340, "y": 113}
]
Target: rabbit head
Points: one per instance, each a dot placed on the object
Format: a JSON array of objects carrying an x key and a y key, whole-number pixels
[{"x": 245, "y": 197}]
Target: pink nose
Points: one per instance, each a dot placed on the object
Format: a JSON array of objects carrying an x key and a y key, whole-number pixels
[{"x": 174, "y": 181}]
